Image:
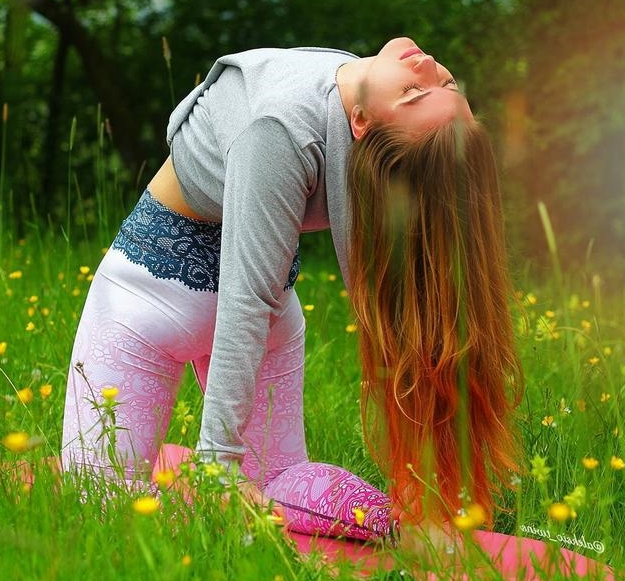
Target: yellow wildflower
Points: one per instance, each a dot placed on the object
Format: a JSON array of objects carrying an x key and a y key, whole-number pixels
[
  {"x": 165, "y": 478},
  {"x": 343, "y": 294},
  {"x": 605, "y": 397},
  {"x": 547, "y": 421},
  {"x": 617, "y": 463},
  {"x": 585, "y": 304},
  {"x": 109, "y": 393},
  {"x": 84, "y": 270},
  {"x": 531, "y": 299},
  {"x": 146, "y": 505},
  {"x": 309, "y": 308},
  {"x": 33, "y": 299},
  {"x": 559, "y": 511},
  {"x": 213, "y": 469},
  {"x": 586, "y": 325},
  {"x": 581, "y": 404},
  {"x": 332, "y": 277},
  {"x": 593, "y": 360},
  {"x": 359, "y": 515},
  {"x": 470, "y": 518},
  {"x": 90, "y": 278},
  {"x": 615, "y": 432},
  {"x": 301, "y": 277},
  {"x": 351, "y": 328},
  {"x": 30, "y": 326},
  {"x": 25, "y": 395},
  {"x": 278, "y": 578},
  {"x": 15, "y": 274},
  {"x": 45, "y": 311},
  {"x": 16, "y": 442},
  {"x": 3, "y": 347},
  {"x": 550, "y": 314},
  {"x": 186, "y": 560},
  {"x": 607, "y": 351},
  {"x": 590, "y": 463},
  {"x": 31, "y": 311},
  {"x": 45, "y": 390},
  {"x": 75, "y": 292}
]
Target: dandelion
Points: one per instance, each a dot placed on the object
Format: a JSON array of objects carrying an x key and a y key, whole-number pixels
[
  {"x": 605, "y": 397},
  {"x": 76, "y": 292},
  {"x": 45, "y": 390},
  {"x": 351, "y": 328},
  {"x": 586, "y": 325},
  {"x": 186, "y": 560},
  {"x": 343, "y": 294},
  {"x": 309, "y": 308},
  {"x": 559, "y": 511},
  {"x": 593, "y": 360},
  {"x": 25, "y": 395},
  {"x": 45, "y": 311},
  {"x": 550, "y": 314},
  {"x": 213, "y": 469},
  {"x": 15, "y": 274},
  {"x": 16, "y": 442},
  {"x": 617, "y": 463},
  {"x": 531, "y": 299},
  {"x": 585, "y": 304},
  {"x": 3, "y": 347},
  {"x": 30, "y": 326},
  {"x": 146, "y": 505},
  {"x": 470, "y": 518},
  {"x": 547, "y": 421},
  {"x": 110, "y": 392},
  {"x": 332, "y": 277},
  {"x": 84, "y": 270},
  {"x": 165, "y": 478},
  {"x": 607, "y": 351},
  {"x": 540, "y": 470},
  {"x": 33, "y": 299},
  {"x": 359, "y": 515},
  {"x": 89, "y": 278},
  {"x": 31, "y": 311},
  {"x": 590, "y": 463}
]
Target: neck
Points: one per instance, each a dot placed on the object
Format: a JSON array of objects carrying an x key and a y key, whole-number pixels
[{"x": 349, "y": 79}]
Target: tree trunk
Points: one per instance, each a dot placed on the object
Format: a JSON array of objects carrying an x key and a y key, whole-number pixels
[{"x": 103, "y": 75}]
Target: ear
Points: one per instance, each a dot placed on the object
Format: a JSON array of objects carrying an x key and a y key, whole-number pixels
[{"x": 358, "y": 122}]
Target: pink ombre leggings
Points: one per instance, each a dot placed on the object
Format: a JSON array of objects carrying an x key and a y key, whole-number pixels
[{"x": 151, "y": 309}]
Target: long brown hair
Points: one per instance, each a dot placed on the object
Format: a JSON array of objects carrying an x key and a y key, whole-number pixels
[{"x": 430, "y": 288}]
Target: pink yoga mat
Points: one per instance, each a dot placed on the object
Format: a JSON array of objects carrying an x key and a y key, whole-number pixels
[{"x": 513, "y": 557}]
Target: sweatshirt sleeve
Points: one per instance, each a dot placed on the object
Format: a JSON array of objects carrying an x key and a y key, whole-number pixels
[{"x": 266, "y": 186}]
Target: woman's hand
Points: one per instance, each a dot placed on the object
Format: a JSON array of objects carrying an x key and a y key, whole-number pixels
[{"x": 253, "y": 495}]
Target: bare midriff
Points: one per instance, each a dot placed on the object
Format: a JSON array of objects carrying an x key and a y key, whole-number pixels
[{"x": 165, "y": 187}]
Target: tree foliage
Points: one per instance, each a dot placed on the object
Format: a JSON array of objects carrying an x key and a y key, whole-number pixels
[{"x": 103, "y": 63}]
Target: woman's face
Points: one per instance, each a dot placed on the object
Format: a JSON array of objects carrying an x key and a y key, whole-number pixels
[{"x": 404, "y": 86}]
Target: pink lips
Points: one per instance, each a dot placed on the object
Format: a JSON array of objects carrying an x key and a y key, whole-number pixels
[{"x": 410, "y": 52}]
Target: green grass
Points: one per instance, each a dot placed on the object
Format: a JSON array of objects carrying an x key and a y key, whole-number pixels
[{"x": 572, "y": 343}]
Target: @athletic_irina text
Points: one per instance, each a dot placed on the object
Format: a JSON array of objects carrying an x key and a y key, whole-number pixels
[{"x": 569, "y": 541}]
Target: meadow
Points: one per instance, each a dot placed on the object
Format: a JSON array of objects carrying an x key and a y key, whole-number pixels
[{"x": 572, "y": 344}]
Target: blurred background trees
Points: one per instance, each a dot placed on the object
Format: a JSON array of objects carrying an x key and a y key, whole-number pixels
[{"x": 89, "y": 86}]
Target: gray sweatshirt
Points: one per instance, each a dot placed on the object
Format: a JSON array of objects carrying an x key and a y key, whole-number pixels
[{"x": 261, "y": 145}]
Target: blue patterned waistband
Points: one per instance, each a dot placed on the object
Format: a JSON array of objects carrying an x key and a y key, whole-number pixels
[{"x": 173, "y": 246}]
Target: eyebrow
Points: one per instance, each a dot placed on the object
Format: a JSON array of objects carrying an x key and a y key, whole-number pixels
[
  {"x": 424, "y": 94},
  {"x": 416, "y": 98}
]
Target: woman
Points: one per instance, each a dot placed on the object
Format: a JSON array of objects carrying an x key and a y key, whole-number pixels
[{"x": 273, "y": 143}]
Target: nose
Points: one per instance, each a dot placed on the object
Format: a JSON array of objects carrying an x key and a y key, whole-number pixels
[{"x": 424, "y": 63}]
